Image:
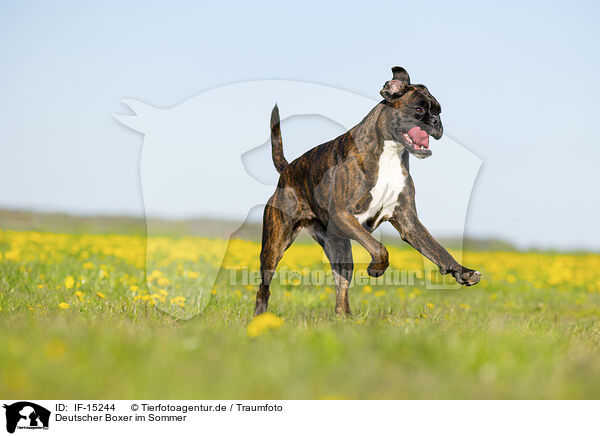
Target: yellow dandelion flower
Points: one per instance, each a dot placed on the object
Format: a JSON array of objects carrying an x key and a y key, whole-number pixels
[
  {"x": 179, "y": 301},
  {"x": 465, "y": 306},
  {"x": 367, "y": 289},
  {"x": 379, "y": 294},
  {"x": 158, "y": 297},
  {"x": 101, "y": 295},
  {"x": 213, "y": 292},
  {"x": 147, "y": 298},
  {"x": 193, "y": 274},
  {"x": 163, "y": 281},
  {"x": 430, "y": 305},
  {"x": 63, "y": 305},
  {"x": 88, "y": 265},
  {"x": 79, "y": 295},
  {"x": 262, "y": 323},
  {"x": 133, "y": 288},
  {"x": 154, "y": 275},
  {"x": 69, "y": 282}
]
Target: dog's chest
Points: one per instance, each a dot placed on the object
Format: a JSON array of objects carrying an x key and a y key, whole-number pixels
[{"x": 390, "y": 183}]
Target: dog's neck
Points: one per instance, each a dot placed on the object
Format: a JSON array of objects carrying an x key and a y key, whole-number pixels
[{"x": 370, "y": 140}]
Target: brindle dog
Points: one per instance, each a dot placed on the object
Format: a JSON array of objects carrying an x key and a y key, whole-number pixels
[{"x": 343, "y": 189}]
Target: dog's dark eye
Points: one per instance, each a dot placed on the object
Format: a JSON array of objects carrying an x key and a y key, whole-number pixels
[{"x": 419, "y": 110}]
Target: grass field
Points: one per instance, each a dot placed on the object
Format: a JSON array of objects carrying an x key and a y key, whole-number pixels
[{"x": 77, "y": 320}]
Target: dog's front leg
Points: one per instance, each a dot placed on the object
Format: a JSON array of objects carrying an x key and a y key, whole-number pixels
[
  {"x": 414, "y": 232},
  {"x": 345, "y": 225}
]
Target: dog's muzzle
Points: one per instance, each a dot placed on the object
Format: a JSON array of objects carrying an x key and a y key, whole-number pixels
[{"x": 416, "y": 140}]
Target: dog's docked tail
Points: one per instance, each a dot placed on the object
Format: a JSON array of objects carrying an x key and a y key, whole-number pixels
[{"x": 276, "y": 142}]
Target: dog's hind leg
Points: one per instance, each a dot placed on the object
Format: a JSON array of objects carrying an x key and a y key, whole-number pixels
[
  {"x": 339, "y": 253},
  {"x": 279, "y": 231}
]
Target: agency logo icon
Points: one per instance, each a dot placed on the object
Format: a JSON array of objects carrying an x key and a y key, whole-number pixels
[{"x": 26, "y": 415}]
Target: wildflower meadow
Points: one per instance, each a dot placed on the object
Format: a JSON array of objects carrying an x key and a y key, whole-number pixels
[{"x": 84, "y": 315}]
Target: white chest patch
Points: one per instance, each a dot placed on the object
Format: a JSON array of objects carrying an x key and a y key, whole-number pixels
[{"x": 389, "y": 184}]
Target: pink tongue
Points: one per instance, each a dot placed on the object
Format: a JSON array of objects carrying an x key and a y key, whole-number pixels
[{"x": 418, "y": 136}]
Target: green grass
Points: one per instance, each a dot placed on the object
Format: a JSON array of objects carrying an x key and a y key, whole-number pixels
[{"x": 500, "y": 339}]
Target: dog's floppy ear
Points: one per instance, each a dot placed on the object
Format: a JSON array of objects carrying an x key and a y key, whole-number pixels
[{"x": 394, "y": 88}]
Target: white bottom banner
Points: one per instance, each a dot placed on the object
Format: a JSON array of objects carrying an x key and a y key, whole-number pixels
[{"x": 299, "y": 417}]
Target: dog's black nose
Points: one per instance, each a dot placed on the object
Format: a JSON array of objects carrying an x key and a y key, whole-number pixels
[{"x": 434, "y": 120}]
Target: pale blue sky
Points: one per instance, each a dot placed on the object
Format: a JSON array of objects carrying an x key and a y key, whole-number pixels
[{"x": 517, "y": 83}]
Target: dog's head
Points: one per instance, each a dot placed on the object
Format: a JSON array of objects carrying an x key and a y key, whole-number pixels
[{"x": 410, "y": 114}]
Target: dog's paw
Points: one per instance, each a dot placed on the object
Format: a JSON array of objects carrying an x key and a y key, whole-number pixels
[
  {"x": 467, "y": 277},
  {"x": 260, "y": 308},
  {"x": 343, "y": 310},
  {"x": 376, "y": 269}
]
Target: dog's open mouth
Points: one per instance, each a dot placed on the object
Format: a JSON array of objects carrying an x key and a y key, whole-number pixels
[{"x": 416, "y": 141}]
